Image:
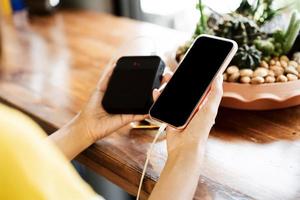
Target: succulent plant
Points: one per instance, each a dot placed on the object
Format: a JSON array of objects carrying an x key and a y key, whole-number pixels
[
  {"x": 245, "y": 8},
  {"x": 247, "y": 57},
  {"x": 291, "y": 32},
  {"x": 266, "y": 46},
  {"x": 283, "y": 41},
  {"x": 239, "y": 28},
  {"x": 261, "y": 11}
]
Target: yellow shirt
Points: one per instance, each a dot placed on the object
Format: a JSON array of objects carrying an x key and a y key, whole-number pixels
[{"x": 31, "y": 167}]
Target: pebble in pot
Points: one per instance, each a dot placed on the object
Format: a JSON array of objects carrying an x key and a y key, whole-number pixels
[
  {"x": 245, "y": 79},
  {"x": 225, "y": 77},
  {"x": 272, "y": 62},
  {"x": 271, "y": 73},
  {"x": 270, "y": 79},
  {"x": 232, "y": 69},
  {"x": 292, "y": 77},
  {"x": 277, "y": 70},
  {"x": 278, "y": 63},
  {"x": 291, "y": 70},
  {"x": 234, "y": 77},
  {"x": 284, "y": 58},
  {"x": 298, "y": 69},
  {"x": 257, "y": 80},
  {"x": 246, "y": 72},
  {"x": 264, "y": 64},
  {"x": 282, "y": 78},
  {"x": 293, "y": 63},
  {"x": 261, "y": 72},
  {"x": 283, "y": 64},
  {"x": 296, "y": 57}
]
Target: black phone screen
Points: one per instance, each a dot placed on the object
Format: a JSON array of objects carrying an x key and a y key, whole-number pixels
[{"x": 190, "y": 81}]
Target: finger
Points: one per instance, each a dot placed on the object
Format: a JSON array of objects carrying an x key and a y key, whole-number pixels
[
  {"x": 166, "y": 77},
  {"x": 104, "y": 79},
  {"x": 132, "y": 118},
  {"x": 218, "y": 82},
  {"x": 210, "y": 105},
  {"x": 216, "y": 92},
  {"x": 167, "y": 70},
  {"x": 155, "y": 94}
]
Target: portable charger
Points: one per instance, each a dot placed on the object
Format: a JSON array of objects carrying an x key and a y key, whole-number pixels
[{"x": 131, "y": 84}]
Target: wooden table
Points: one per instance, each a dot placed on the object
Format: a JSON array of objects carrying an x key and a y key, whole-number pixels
[{"x": 49, "y": 68}]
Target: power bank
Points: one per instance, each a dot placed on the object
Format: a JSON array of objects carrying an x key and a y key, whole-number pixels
[{"x": 130, "y": 87}]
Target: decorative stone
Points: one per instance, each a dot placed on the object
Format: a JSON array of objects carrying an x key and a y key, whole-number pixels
[
  {"x": 292, "y": 77},
  {"x": 296, "y": 57},
  {"x": 282, "y": 78},
  {"x": 257, "y": 80},
  {"x": 283, "y": 64},
  {"x": 278, "y": 64},
  {"x": 277, "y": 70},
  {"x": 260, "y": 71},
  {"x": 234, "y": 77},
  {"x": 298, "y": 69},
  {"x": 246, "y": 72},
  {"x": 270, "y": 79},
  {"x": 271, "y": 73},
  {"x": 293, "y": 63},
  {"x": 245, "y": 79},
  {"x": 291, "y": 70},
  {"x": 272, "y": 62},
  {"x": 232, "y": 69},
  {"x": 284, "y": 58},
  {"x": 264, "y": 64},
  {"x": 225, "y": 77}
]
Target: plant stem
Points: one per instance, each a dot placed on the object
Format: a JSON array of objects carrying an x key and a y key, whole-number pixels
[{"x": 202, "y": 16}]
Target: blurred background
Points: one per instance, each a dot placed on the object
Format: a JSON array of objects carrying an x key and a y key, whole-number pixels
[{"x": 176, "y": 14}]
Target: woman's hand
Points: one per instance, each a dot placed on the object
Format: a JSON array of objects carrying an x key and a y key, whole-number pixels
[
  {"x": 98, "y": 122},
  {"x": 93, "y": 122},
  {"x": 180, "y": 176},
  {"x": 196, "y": 133}
]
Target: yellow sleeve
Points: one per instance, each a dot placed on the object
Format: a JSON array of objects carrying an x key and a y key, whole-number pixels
[{"x": 31, "y": 167}]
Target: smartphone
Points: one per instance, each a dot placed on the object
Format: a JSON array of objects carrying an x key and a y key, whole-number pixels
[
  {"x": 191, "y": 82},
  {"x": 130, "y": 87}
]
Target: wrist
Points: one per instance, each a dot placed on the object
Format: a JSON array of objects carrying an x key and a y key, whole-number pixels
[
  {"x": 72, "y": 138},
  {"x": 193, "y": 151},
  {"x": 78, "y": 128}
]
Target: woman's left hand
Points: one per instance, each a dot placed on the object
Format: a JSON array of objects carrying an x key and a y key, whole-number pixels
[
  {"x": 92, "y": 123},
  {"x": 97, "y": 121}
]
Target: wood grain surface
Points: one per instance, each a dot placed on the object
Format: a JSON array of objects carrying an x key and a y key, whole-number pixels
[{"x": 50, "y": 66}]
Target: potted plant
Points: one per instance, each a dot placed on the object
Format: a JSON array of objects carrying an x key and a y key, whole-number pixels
[{"x": 265, "y": 72}]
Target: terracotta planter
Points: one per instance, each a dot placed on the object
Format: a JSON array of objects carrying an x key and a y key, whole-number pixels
[{"x": 261, "y": 97}]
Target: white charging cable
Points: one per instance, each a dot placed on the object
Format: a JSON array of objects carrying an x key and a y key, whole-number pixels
[{"x": 159, "y": 132}]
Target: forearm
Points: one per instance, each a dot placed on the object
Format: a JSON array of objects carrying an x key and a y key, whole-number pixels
[
  {"x": 72, "y": 138},
  {"x": 179, "y": 178}
]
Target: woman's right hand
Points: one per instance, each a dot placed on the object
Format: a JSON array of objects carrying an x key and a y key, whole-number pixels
[
  {"x": 194, "y": 136},
  {"x": 180, "y": 176}
]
